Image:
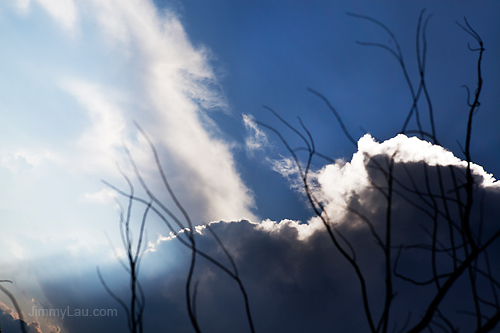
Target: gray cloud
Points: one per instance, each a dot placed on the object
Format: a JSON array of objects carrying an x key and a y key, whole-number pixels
[{"x": 295, "y": 278}]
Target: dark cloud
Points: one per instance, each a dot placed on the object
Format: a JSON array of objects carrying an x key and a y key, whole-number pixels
[
  {"x": 10, "y": 322},
  {"x": 296, "y": 279}
]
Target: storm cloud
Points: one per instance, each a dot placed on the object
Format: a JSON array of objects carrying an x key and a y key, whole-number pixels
[{"x": 295, "y": 277}]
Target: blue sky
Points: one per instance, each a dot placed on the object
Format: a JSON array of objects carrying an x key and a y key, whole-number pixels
[
  {"x": 76, "y": 74},
  {"x": 288, "y": 46}
]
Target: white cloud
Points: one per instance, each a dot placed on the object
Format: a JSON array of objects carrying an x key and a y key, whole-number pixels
[
  {"x": 20, "y": 161},
  {"x": 341, "y": 181},
  {"x": 286, "y": 167},
  {"x": 103, "y": 196},
  {"x": 127, "y": 62},
  {"x": 304, "y": 230},
  {"x": 171, "y": 85},
  {"x": 63, "y": 11},
  {"x": 97, "y": 146},
  {"x": 257, "y": 139},
  {"x": 178, "y": 83},
  {"x": 22, "y": 5},
  {"x": 413, "y": 149},
  {"x": 165, "y": 83},
  {"x": 16, "y": 249},
  {"x": 112, "y": 22}
]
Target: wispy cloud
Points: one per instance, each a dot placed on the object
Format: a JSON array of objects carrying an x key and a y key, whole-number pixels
[
  {"x": 177, "y": 84},
  {"x": 170, "y": 87},
  {"x": 110, "y": 62},
  {"x": 256, "y": 139},
  {"x": 64, "y": 12}
]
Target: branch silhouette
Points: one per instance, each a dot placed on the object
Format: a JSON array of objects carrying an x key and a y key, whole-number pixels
[
  {"x": 457, "y": 246},
  {"x": 22, "y": 323},
  {"x": 135, "y": 309},
  {"x": 184, "y": 231}
]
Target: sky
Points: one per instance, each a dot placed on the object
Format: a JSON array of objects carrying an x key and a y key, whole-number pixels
[{"x": 78, "y": 75}]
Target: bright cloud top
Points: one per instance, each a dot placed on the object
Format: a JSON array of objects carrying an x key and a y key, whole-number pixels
[{"x": 339, "y": 182}]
